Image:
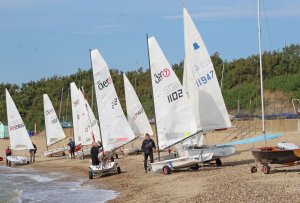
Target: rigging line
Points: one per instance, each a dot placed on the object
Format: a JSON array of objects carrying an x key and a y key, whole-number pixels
[{"x": 267, "y": 22}]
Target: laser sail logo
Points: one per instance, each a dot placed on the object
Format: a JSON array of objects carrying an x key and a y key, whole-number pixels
[
  {"x": 196, "y": 46},
  {"x": 162, "y": 74},
  {"x": 102, "y": 84}
]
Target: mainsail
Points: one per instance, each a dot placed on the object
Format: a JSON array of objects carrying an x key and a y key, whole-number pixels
[
  {"x": 115, "y": 130},
  {"x": 54, "y": 131},
  {"x": 86, "y": 128},
  {"x": 200, "y": 81},
  {"x": 18, "y": 135},
  {"x": 174, "y": 117},
  {"x": 136, "y": 115}
]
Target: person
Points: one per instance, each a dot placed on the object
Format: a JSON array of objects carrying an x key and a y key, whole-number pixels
[
  {"x": 148, "y": 147},
  {"x": 94, "y": 154},
  {"x": 32, "y": 153},
  {"x": 71, "y": 144},
  {"x": 8, "y": 153}
]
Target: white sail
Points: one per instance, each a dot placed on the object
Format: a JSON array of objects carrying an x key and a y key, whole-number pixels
[
  {"x": 18, "y": 135},
  {"x": 174, "y": 117},
  {"x": 76, "y": 114},
  {"x": 200, "y": 81},
  {"x": 91, "y": 131},
  {"x": 114, "y": 127},
  {"x": 136, "y": 115},
  {"x": 54, "y": 131},
  {"x": 85, "y": 125}
]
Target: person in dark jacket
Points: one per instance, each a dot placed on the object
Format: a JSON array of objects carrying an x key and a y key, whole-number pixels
[
  {"x": 8, "y": 153},
  {"x": 148, "y": 147},
  {"x": 94, "y": 154},
  {"x": 71, "y": 144},
  {"x": 32, "y": 153}
]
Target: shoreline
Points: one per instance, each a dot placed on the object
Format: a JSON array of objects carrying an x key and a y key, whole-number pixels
[{"x": 233, "y": 182}]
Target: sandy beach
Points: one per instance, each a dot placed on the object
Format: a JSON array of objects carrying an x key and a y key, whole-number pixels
[{"x": 233, "y": 182}]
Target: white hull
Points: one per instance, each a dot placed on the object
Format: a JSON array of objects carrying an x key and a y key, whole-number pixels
[
  {"x": 55, "y": 152},
  {"x": 183, "y": 162},
  {"x": 18, "y": 159},
  {"x": 218, "y": 151},
  {"x": 83, "y": 153},
  {"x": 110, "y": 167},
  {"x": 132, "y": 150}
]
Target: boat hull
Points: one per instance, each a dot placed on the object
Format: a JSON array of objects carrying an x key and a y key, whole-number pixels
[
  {"x": 104, "y": 168},
  {"x": 182, "y": 162},
  {"x": 20, "y": 160},
  {"x": 275, "y": 155},
  {"x": 55, "y": 152},
  {"x": 218, "y": 151},
  {"x": 132, "y": 150}
]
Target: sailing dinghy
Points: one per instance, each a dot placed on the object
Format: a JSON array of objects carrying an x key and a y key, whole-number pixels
[
  {"x": 53, "y": 130},
  {"x": 175, "y": 120},
  {"x": 203, "y": 90},
  {"x": 18, "y": 136},
  {"x": 136, "y": 115},
  {"x": 114, "y": 129},
  {"x": 85, "y": 125},
  {"x": 284, "y": 153}
]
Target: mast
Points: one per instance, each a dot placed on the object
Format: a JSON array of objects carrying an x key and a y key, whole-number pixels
[
  {"x": 96, "y": 104},
  {"x": 222, "y": 76},
  {"x": 149, "y": 63},
  {"x": 261, "y": 74}
]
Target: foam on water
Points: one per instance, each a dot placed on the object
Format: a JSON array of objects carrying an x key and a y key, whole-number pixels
[{"x": 27, "y": 185}]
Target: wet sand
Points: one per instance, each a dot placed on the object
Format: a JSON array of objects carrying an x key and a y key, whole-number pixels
[{"x": 233, "y": 182}]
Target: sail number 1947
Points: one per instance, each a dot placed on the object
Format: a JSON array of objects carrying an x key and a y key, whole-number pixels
[{"x": 204, "y": 79}]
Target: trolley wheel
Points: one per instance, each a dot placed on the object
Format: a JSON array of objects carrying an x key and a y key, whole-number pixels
[
  {"x": 112, "y": 159},
  {"x": 195, "y": 168},
  {"x": 64, "y": 154},
  {"x": 253, "y": 169},
  {"x": 166, "y": 170},
  {"x": 119, "y": 170},
  {"x": 117, "y": 156},
  {"x": 28, "y": 162},
  {"x": 9, "y": 164},
  {"x": 266, "y": 169},
  {"x": 91, "y": 175},
  {"x": 219, "y": 162},
  {"x": 82, "y": 156}
]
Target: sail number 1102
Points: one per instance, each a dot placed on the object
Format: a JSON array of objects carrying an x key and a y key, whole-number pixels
[{"x": 175, "y": 95}]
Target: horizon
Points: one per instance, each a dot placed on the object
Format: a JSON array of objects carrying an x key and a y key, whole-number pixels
[{"x": 44, "y": 39}]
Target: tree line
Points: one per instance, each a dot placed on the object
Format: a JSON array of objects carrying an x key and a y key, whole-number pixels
[{"x": 240, "y": 84}]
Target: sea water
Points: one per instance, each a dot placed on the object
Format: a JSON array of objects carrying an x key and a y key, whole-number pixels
[{"x": 28, "y": 185}]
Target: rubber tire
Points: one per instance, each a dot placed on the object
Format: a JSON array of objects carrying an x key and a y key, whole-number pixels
[
  {"x": 91, "y": 175},
  {"x": 28, "y": 162},
  {"x": 195, "y": 168},
  {"x": 166, "y": 170},
  {"x": 9, "y": 164},
  {"x": 266, "y": 169},
  {"x": 253, "y": 169},
  {"x": 219, "y": 162},
  {"x": 112, "y": 159},
  {"x": 64, "y": 154},
  {"x": 117, "y": 156},
  {"x": 119, "y": 170}
]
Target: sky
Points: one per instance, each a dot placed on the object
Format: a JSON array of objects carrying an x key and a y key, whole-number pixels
[{"x": 43, "y": 38}]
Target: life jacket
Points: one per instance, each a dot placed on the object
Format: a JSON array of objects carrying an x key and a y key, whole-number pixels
[{"x": 8, "y": 152}]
